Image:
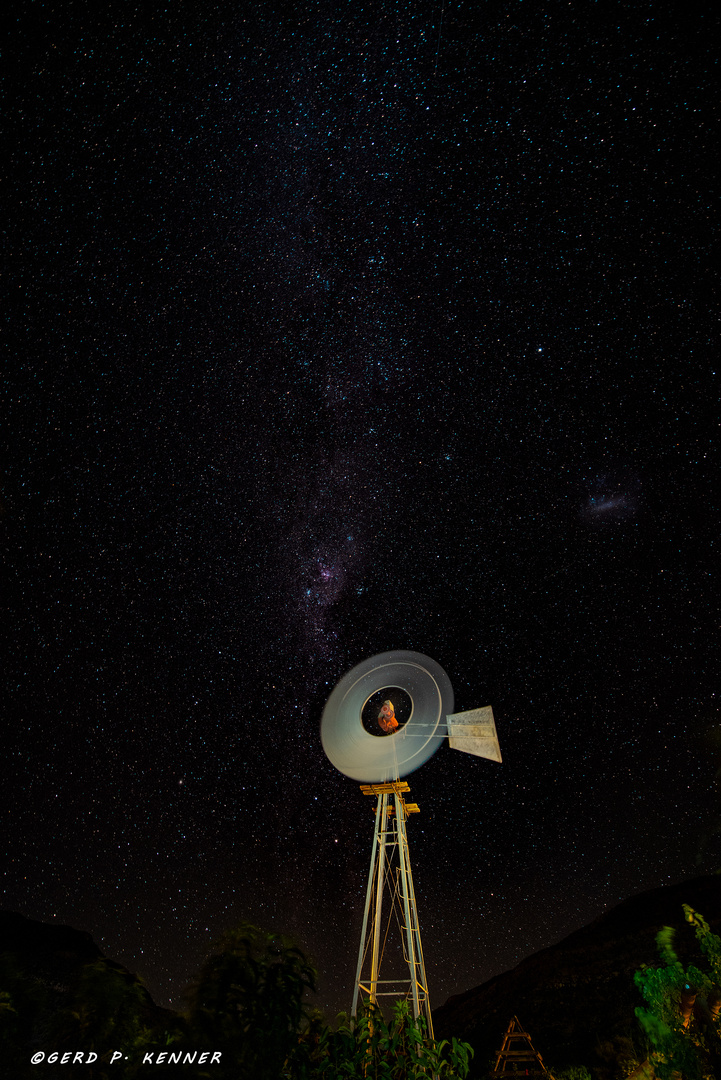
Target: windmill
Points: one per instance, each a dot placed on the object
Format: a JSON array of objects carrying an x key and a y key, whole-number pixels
[{"x": 385, "y": 718}]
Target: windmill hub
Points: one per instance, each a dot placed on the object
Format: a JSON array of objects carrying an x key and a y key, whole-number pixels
[{"x": 402, "y": 706}]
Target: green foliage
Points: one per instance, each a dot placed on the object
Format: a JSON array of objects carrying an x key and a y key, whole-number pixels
[
  {"x": 675, "y": 1048},
  {"x": 710, "y": 943},
  {"x": 248, "y": 1002},
  {"x": 21, "y": 1000},
  {"x": 664, "y": 944},
  {"x": 620, "y": 1055},
  {"x": 103, "y": 1008},
  {"x": 573, "y": 1072},
  {"x": 371, "y": 1049}
]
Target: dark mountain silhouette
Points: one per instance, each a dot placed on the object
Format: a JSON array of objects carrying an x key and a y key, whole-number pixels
[
  {"x": 577, "y": 998},
  {"x": 46, "y": 945},
  {"x": 54, "y": 953},
  {"x": 47, "y": 971}
]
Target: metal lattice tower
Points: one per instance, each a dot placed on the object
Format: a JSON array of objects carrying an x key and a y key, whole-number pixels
[{"x": 390, "y": 877}]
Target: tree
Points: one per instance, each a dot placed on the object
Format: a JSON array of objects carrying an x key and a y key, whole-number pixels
[
  {"x": 248, "y": 1002},
  {"x": 678, "y": 1046},
  {"x": 710, "y": 943}
]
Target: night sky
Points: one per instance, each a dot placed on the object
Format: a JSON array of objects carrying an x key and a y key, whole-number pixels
[{"x": 334, "y": 328}]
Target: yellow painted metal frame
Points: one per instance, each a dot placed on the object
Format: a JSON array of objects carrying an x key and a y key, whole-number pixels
[{"x": 390, "y": 843}]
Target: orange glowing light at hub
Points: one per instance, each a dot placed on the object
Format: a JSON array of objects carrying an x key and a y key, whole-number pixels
[{"x": 387, "y": 717}]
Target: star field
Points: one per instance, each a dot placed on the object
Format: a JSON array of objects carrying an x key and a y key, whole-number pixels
[{"x": 333, "y": 330}]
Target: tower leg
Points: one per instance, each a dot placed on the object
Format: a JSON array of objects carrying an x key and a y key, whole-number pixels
[
  {"x": 414, "y": 949},
  {"x": 369, "y": 895},
  {"x": 380, "y": 873}
]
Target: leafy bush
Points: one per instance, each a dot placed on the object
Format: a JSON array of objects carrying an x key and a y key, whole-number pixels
[
  {"x": 573, "y": 1072},
  {"x": 248, "y": 1002},
  {"x": 371, "y": 1049},
  {"x": 678, "y": 1048}
]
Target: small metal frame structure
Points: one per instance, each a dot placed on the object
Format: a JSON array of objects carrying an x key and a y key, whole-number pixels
[
  {"x": 390, "y": 875},
  {"x": 517, "y": 1056}
]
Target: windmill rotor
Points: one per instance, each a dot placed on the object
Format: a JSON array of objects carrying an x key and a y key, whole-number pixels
[
  {"x": 421, "y": 689},
  {"x": 422, "y": 696}
]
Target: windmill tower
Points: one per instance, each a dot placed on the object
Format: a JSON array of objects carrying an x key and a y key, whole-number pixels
[{"x": 385, "y": 718}]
